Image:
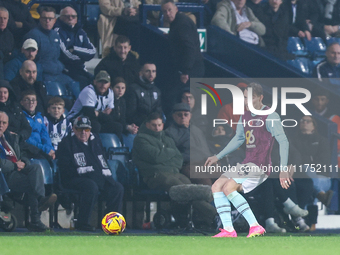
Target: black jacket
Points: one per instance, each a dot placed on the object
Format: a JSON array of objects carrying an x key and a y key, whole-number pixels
[
  {"x": 17, "y": 120},
  {"x": 19, "y": 85},
  {"x": 185, "y": 46},
  {"x": 277, "y": 29},
  {"x": 20, "y": 12},
  {"x": 75, "y": 159},
  {"x": 6, "y": 44},
  {"x": 142, "y": 99},
  {"x": 115, "y": 67},
  {"x": 300, "y": 18},
  {"x": 119, "y": 112},
  {"x": 7, "y": 166}
]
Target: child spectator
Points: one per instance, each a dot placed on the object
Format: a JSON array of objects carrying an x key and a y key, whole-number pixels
[
  {"x": 56, "y": 124},
  {"x": 119, "y": 112},
  {"x": 39, "y": 136}
]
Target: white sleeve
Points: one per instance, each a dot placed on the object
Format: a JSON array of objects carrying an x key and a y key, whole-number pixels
[{"x": 88, "y": 97}]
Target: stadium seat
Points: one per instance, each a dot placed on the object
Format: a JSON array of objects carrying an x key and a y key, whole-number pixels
[
  {"x": 48, "y": 179},
  {"x": 315, "y": 47},
  {"x": 91, "y": 13},
  {"x": 296, "y": 47},
  {"x": 302, "y": 64},
  {"x": 55, "y": 89},
  {"x": 331, "y": 40}
]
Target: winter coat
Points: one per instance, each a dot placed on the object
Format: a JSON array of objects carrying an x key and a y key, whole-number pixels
[
  {"x": 49, "y": 49},
  {"x": 155, "y": 152},
  {"x": 39, "y": 137},
  {"x": 143, "y": 98}
]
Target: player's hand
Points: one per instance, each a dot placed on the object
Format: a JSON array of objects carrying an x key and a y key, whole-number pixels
[
  {"x": 286, "y": 178},
  {"x": 211, "y": 160}
]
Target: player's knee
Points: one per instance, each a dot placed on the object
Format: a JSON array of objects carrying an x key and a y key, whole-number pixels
[
  {"x": 229, "y": 187},
  {"x": 216, "y": 187}
]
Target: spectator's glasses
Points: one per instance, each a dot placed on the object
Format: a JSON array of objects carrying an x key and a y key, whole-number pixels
[
  {"x": 181, "y": 114},
  {"x": 85, "y": 129},
  {"x": 70, "y": 16},
  {"x": 47, "y": 18},
  {"x": 187, "y": 97},
  {"x": 27, "y": 100}
]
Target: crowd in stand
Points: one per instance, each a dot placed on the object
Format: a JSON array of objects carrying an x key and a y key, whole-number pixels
[{"x": 122, "y": 97}]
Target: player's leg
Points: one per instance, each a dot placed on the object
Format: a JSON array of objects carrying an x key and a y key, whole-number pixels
[
  {"x": 223, "y": 208},
  {"x": 231, "y": 189}
]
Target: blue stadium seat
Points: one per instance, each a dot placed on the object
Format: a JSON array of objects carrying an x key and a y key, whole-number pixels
[
  {"x": 46, "y": 168},
  {"x": 303, "y": 64},
  {"x": 110, "y": 140},
  {"x": 331, "y": 40},
  {"x": 54, "y": 88},
  {"x": 296, "y": 47},
  {"x": 315, "y": 47}
]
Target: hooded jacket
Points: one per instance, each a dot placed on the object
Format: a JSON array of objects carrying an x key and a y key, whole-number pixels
[{"x": 155, "y": 152}]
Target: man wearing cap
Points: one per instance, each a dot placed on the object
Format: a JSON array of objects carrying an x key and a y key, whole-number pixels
[
  {"x": 75, "y": 46},
  {"x": 27, "y": 79},
  {"x": 29, "y": 51},
  {"x": 23, "y": 177},
  {"x": 96, "y": 102},
  {"x": 83, "y": 167},
  {"x": 180, "y": 131}
]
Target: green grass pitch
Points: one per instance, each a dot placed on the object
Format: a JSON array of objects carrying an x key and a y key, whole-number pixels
[{"x": 101, "y": 244}]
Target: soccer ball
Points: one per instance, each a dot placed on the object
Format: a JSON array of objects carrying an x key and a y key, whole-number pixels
[{"x": 113, "y": 223}]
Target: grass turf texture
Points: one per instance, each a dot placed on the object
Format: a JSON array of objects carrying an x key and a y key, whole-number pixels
[{"x": 101, "y": 244}]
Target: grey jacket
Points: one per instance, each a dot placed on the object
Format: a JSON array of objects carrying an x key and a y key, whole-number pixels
[{"x": 225, "y": 18}]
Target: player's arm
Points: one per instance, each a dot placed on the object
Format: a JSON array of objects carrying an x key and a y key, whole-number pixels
[
  {"x": 275, "y": 128},
  {"x": 233, "y": 145}
]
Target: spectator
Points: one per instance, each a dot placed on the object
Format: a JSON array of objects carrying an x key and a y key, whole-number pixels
[
  {"x": 298, "y": 15},
  {"x": 189, "y": 140},
  {"x": 220, "y": 137},
  {"x": 83, "y": 167},
  {"x": 111, "y": 9},
  {"x": 8, "y": 103},
  {"x": 24, "y": 22},
  {"x": 56, "y": 124},
  {"x": 97, "y": 101},
  {"x": 328, "y": 70},
  {"x": 238, "y": 19},
  {"x": 144, "y": 97},
  {"x": 121, "y": 62},
  {"x": 256, "y": 6},
  {"x": 197, "y": 118},
  {"x": 184, "y": 43},
  {"x": 276, "y": 21},
  {"x": 48, "y": 42},
  {"x": 27, "y": 79},
  {"x": 118, "y": 112},
  {"x": 315, "y": 150},
  {"x": 159, "y": 162},
  {"x": 22, "y": 176},
  {"x": 320, "y": 101},
  {"x": 29, "y": 51},
  {"x": 39, "y": 136},
  {"x": 316, "y": 21},
  {"x": 6, "y": 37},
  {"x": 75, "y": 46}
]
